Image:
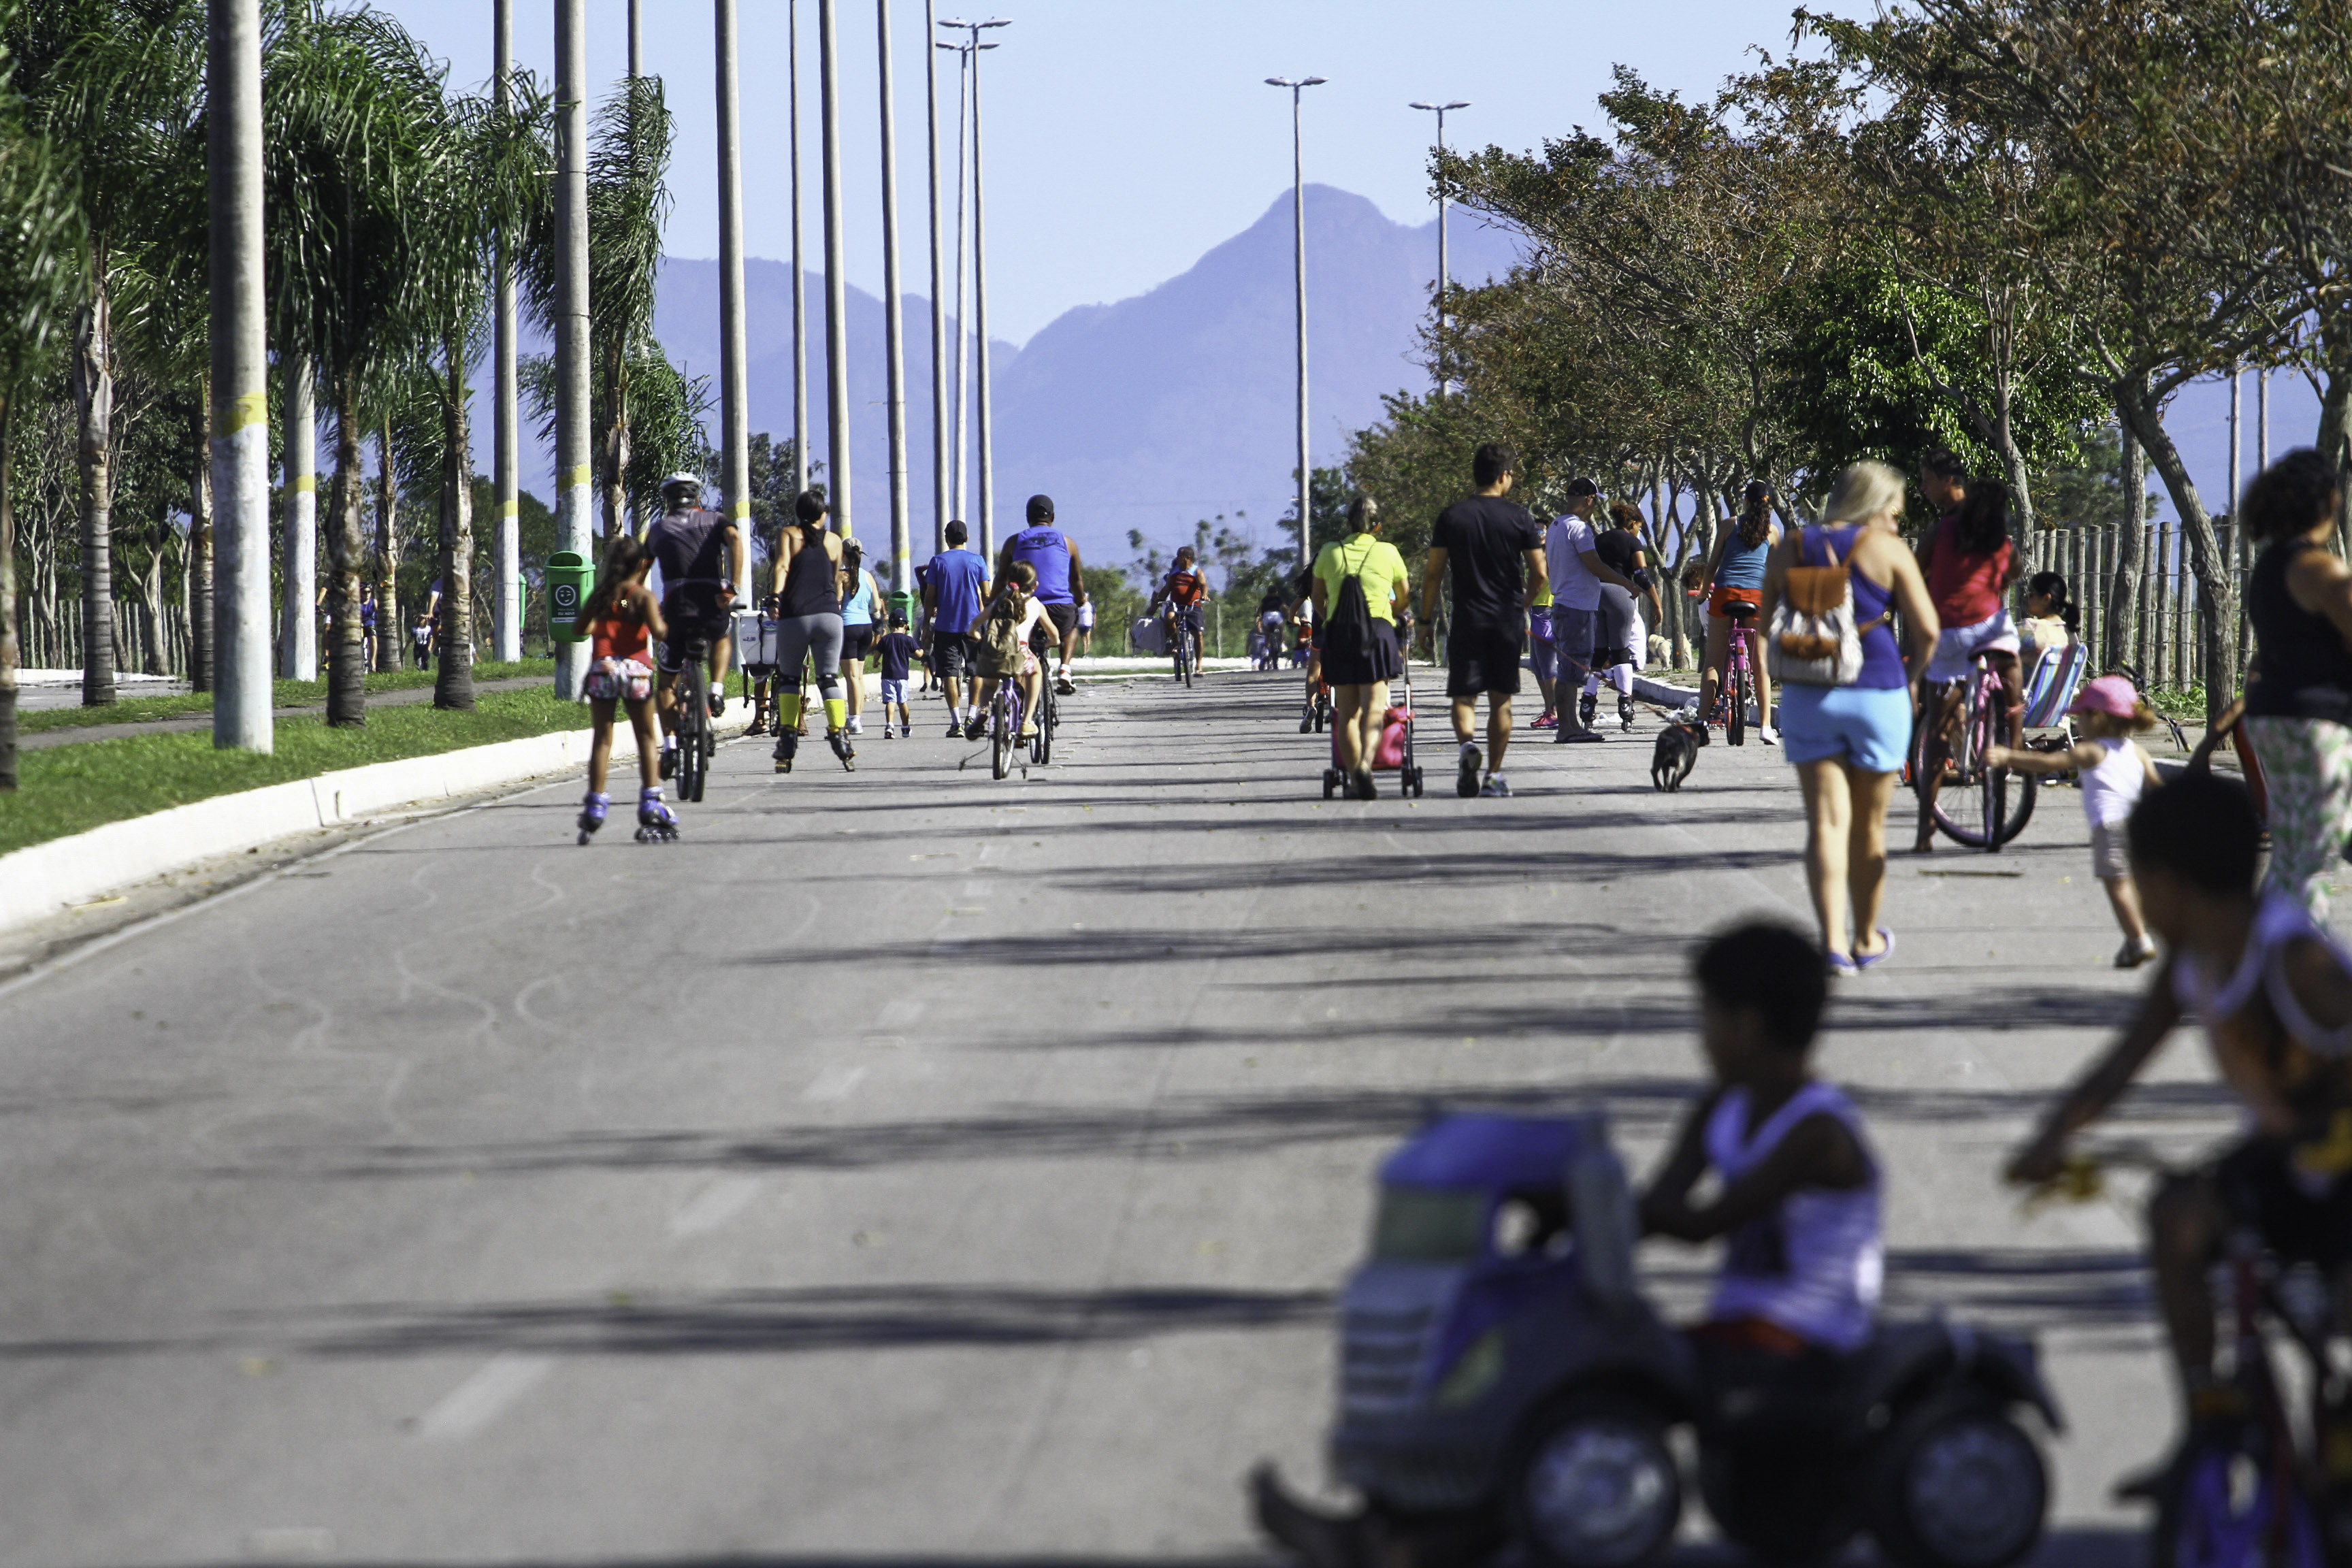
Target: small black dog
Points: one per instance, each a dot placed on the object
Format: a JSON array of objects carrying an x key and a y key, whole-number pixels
[{"x": 1677, "y": 750}]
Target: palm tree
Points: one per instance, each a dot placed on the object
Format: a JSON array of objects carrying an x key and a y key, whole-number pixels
[
  {"x": 354, "y": 113},
  {"x": 41, "y": 257},
  {"x": 628, "y": 200},
  {"x": 114, "y": 83}
]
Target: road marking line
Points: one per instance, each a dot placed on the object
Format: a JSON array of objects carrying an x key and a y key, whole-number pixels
[
  {"x": 713, "y": 1206},
  {"x": 482, "y": 1398},
  {"x": 835, "y": 1083}
]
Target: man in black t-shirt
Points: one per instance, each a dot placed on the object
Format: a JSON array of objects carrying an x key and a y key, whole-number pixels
[{"x": 1496, "y": 551}]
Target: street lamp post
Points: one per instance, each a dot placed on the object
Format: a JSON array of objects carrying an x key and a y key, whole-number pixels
[
  {"x": 1299, "y": 86},
  {"x": 939, "y": 297},
  {"x": 734, "y": 390},
  {"x": 799, "y": 267},
  {"x": 240, "y": 377},
  {"x": 979, "y": 286},
  {"x": 1443, "y": 275},
  {"x": 574, "y": 493},
  {"x": 894, "y": 324},
  {"x": 956, "y": 468},
  {"x": 837, "y": 282},
  {"x": 506, "y": 552}
]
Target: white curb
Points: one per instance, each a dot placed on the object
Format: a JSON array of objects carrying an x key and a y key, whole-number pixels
[{"x": 45, "y": 879}]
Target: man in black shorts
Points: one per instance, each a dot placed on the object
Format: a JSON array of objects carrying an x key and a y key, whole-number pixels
[
  {"x": 700, "y": 556},
  {"x": 1495, "y": 550},
  {"x": 955, "y": 592}
]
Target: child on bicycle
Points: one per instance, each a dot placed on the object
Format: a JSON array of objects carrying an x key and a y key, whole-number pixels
[
  {"x": 898, "y": 650},
  {"x": 2113, "y": 772},
  {"x": 2274, "y": 989},
  {"x": 620, "y": 615},
  {"x": 1018, "y": 595}
]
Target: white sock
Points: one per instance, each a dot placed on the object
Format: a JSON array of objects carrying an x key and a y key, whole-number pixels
[
  {"x": 955, "y": 714},
  {"x": 1622, "y": 678},
  {"x": 1466, "y": 745},
  {"x": 1592, "y": 686}
]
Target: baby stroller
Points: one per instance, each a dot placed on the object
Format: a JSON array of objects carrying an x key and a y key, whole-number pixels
[{"x": 1395, "y": 751}]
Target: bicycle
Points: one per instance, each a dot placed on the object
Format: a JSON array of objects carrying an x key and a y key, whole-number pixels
[
  {"x": 1005, "y": 714},
  {"x": 696, "y": 741},
  {"x": 1180, "y": 643},
  {"x": 2253, "y": 1496},
  {"x": 1738, "y": 688},
  {"x": 1979, "y": 806},
  {"x": 1049, "y": 717}
]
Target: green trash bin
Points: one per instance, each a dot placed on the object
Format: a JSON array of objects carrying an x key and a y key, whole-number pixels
[{"x": 568, "y": 579}]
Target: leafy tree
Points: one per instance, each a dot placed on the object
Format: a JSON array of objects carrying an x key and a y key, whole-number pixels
[{"x": 42, "y": 254}]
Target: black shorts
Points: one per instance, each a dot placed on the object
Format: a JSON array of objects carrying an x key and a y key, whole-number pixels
[
  {"x": 692, "y": 615},
  {"x": 856, "y": 642},
  {"x": 2300, "y": 1220},
  {"x": 952, "y": 655},
  {"x": 1385, "y": 663},
  {"x": 1482, "y": 659},
  {"x": 1064, "y": 620}
]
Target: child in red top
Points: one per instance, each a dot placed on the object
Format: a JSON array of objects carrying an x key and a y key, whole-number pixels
[{"x": 620, "y": 615}]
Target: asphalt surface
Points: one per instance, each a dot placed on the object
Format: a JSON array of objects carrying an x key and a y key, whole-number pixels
[{"x": 907, "y": 1167}]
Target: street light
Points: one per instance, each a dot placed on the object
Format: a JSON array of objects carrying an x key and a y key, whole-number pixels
[
  {"x": 1298, "y": 86},
  {"x": 837, "y": 284},
  {"x": 979, "y": 280},
  {"x": 1441, "y": 110},
  {"x": 894, "y": 323}
]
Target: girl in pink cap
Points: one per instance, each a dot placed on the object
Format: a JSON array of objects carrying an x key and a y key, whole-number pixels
[{"x": 2113, "y": 770}]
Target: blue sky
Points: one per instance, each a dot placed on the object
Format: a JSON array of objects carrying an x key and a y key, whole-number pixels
[{"x": 1126, "y": 139}]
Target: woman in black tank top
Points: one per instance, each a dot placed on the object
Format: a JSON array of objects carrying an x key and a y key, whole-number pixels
[
  {"x": 808, "y": 628},
  {"x": 2298, "y": 702}
]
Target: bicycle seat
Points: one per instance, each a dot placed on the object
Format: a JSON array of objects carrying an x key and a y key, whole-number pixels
[{"x": 1740, "y": 610}]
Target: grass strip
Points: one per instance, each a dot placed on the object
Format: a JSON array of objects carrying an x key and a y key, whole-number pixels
[
  {"x": 284, "y": 694},
  {"x": 71, "y": 789}
]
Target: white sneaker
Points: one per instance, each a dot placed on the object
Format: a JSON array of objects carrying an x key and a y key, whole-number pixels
[
  {"x": 2134, "y": 954},
  {"x": 1766, "y": 734},
  {"x": 857, "y": 725}
]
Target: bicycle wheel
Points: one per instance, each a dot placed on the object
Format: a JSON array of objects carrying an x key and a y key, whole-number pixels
[
  {"x": 693, "y": 725},
  {"x": 1001, "y": 736},
  {"x": 1049, "y": 718},
  {"x": 1976, "y": 805},
  {"x": 1176, "y": 650},
  {"x": 1736, "y": 689}
]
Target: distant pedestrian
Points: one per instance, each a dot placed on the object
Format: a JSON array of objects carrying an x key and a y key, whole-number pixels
[
  {"x": 1496, "y": 552},
  {"x": 1086, "y": 628},
  {"x": 897, "y": 652},
  {"x": 2298, "y": 701},
  {"x": 861, "y": 598},
  {"x": 1577, "y": 573},
  {"x": 1359, "y": 633},
  {"x": 1847, "y": 740},
  {"x": 955, "y": 589},
  {"x": 2113, "y": 772}
]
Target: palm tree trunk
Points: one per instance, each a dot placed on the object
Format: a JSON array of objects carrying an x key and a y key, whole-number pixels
[
  {"x": 453, "y": 684},
  {"x": 615, "y": 443},
  {"x": 150, "y": 598},
  {"x": 8, "y": 650},
  {"x": 200, "y": 546},
  {"x": 93, "y": 392},
  {"x": 391, "y": 630},
  {"x": 346, "y": 550}
]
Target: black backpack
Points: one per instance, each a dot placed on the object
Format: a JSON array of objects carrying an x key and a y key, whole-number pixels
[{"x": 1347, "y": 632}]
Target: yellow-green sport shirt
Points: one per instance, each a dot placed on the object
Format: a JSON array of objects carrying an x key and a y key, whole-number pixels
[{"x": 1374, "y": 561}]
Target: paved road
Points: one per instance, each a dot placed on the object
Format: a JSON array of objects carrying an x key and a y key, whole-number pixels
[{"x": 909, "y": 1165}]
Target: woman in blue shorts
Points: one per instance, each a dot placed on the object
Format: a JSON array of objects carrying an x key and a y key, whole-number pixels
[{"x": 1848, "y": 741}]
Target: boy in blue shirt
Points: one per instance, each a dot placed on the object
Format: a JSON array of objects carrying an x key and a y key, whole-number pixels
[{"x": 897, "y": 651}]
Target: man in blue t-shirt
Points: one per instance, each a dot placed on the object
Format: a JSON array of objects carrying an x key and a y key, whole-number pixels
[
  {"x": 1061, "y": 580},
  {"x": 955, "y": 591}
]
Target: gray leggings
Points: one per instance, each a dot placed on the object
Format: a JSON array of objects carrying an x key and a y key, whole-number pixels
[{"x": 799, "y": 637}]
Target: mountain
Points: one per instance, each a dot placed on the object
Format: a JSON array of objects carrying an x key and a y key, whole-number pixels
[{"x": 1147, "y": 414}]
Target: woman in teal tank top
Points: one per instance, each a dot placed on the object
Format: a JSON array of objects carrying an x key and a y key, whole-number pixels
[{"x": 859, "y": 595}]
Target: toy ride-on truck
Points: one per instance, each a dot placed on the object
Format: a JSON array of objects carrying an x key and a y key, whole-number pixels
[{"x": 1503, "y": 1382}]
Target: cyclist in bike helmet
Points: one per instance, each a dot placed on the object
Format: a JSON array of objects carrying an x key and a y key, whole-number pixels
[{"x": 700, "y": 556}]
